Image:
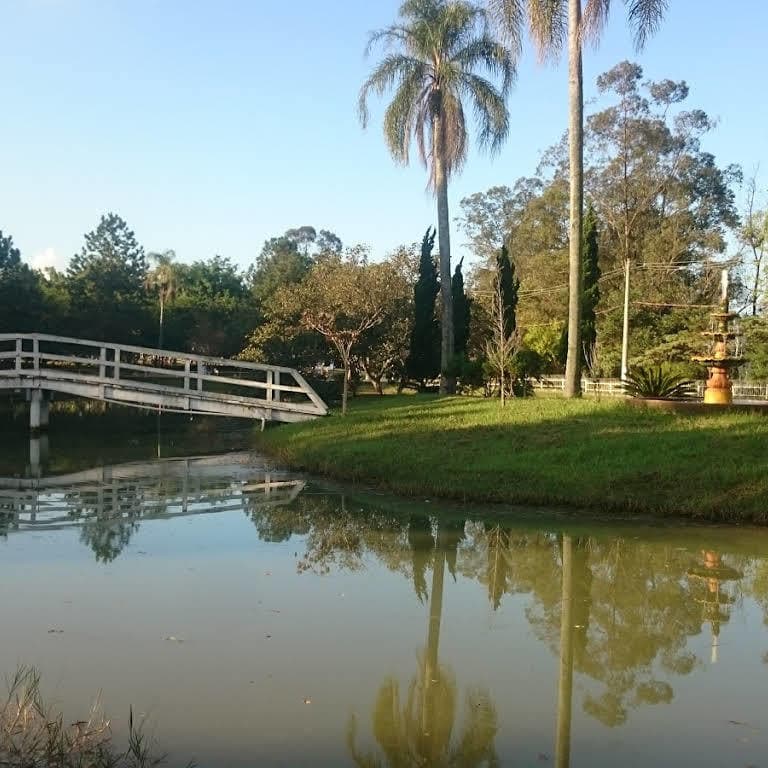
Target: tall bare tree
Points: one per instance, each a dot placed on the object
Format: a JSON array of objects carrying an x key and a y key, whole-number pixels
[
  {"x": 432, "y": 59},
  {"x": 753, "y": 237}
]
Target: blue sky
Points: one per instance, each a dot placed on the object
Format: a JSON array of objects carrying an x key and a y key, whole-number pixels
[{"x": 211, "y": 126}]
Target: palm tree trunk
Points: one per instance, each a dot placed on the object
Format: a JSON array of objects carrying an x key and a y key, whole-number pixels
[
  {"x": 160, "y": 335},
  {"x": 565, "y": 680},
  {"x": 576, "y": 146},
  {"x": 447, "y": 384}
]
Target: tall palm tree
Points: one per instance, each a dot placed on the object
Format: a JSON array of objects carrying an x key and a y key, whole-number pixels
[
  {"x": 551, "y": 23},
  {"x": 163, "y": 280},
  {"x": 432, "y": 61}
]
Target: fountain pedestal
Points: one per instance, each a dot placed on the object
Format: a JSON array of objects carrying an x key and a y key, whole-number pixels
[{"x": 719, "y": 389}]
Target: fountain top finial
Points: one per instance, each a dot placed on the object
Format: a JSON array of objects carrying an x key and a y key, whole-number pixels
[{"x": 724, "y": 285}]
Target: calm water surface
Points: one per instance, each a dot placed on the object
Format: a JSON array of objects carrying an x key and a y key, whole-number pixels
[{"x": 258, "y": 619}]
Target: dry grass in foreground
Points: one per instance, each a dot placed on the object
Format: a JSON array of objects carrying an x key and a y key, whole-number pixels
[{"x": 33, "y": 735}]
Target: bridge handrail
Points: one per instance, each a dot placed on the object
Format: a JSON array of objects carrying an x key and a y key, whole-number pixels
[
  {"x": 150, "y": 351},
  {"x": 190, "y": 380}
]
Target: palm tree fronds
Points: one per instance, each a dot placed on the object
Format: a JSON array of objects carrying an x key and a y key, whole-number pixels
[
  {"x": 490, "y": 110},
  {"x": 594, "y": 19},
  {"x": 510, "y": 17},
  {"x": 548, "y": 24},
  {"x": 494, "y": 57},
  {"x": 386, "y": 73},
  {"x": 645, "y": 17}
]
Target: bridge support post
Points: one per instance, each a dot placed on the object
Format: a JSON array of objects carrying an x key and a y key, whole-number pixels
[
  {"x": 38, "y": 411},
  {"x": 38, "y": 454}
]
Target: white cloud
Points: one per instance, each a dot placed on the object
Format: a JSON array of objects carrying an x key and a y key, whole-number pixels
[{"x": 47, "y": 258}]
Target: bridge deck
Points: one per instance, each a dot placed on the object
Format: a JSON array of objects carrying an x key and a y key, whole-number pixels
[{"x": 143, "y": 377}]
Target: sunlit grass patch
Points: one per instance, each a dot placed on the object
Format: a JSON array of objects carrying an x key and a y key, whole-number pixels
[{"x": 597, "y": 454}]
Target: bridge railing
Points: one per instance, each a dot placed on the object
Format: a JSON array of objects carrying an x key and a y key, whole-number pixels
[{"x": 24, "y": 356}]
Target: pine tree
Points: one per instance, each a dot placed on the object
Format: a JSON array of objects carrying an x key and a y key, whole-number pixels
[
  {"x": 106, "y": 282},
  {"x": 462, "y": 308},
  {"x": 424, "y": 355}
]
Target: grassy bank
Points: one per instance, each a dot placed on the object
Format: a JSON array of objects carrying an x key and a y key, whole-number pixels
[{"x": 603, "y": 456}]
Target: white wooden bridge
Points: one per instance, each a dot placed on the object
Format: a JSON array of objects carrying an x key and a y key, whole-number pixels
[
  {"x": 157, "y": 489},
  {"x": 151, "y": 378}
]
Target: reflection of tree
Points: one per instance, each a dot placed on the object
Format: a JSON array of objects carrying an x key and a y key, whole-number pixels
[
  {"x": 621, "y": 613},
  {"x": 108, "y": 537},
  {"x": 110, "y": 516},
  {"x": 631, "y": 608},
  {"x": 338, "y": 532},
  {"x": 418, "y": 732}
]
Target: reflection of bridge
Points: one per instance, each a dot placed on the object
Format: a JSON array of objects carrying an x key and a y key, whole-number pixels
[
  {"x": 151, "y": 378},
  {"x": 158, "y": 489}
]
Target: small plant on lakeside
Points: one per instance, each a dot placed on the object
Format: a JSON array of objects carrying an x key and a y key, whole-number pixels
[
  {"x": 32, "y": 735},
  {"x": 658, "y": 382}
]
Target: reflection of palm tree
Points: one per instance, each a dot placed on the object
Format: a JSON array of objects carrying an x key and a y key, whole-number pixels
[
  {"x": 565, "y": 679},
  {"x": 418, "y": 733}
]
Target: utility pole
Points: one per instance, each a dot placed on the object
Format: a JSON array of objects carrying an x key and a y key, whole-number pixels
[{"x": 625, "y": 330}]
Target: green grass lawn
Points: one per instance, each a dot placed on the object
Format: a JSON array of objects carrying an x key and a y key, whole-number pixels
[{"x": 604, "y": 456}]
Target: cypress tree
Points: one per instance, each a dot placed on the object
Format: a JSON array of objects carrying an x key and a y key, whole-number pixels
[
  {"x": 424, "y": 355},
  {"x": 590, "y": 292},
  {"x": 591, "y": 272},
  {"x": 505, "y": 274},
  {"x": 462, "y": 307}
]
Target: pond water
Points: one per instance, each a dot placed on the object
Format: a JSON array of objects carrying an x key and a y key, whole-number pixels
[{"x": 257, "y": 618}]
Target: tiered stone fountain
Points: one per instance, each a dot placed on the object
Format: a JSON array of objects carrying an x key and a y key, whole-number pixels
[{"x": 719, "y": 389}]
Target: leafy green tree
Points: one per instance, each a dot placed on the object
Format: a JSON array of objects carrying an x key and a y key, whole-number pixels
[
  {"x": 162, "y": 280},
  {"x": 424, "y": 356},
  {"x": 302, "y": 237},
  {"x": 21, "y": 301},
  {"x": 550, "y": 25},
  {"x": 462, "y": 307},
  {"x": 663, "y": 203},
  {"x": 10, "y": 256},
  {"x": 213, "y": 309},
  {"x": 440, "y": 47},
  {"x": 280, "y": 263},
  {"x": 341, "y": 299},
  {"x": 384, "y": 349},
  {"x": 106, "y": 283},
  {"x": 286, "y": 259},
  {"x": 755, "y": 330}
]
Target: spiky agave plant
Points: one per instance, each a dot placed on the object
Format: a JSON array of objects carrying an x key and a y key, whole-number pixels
[{"x": 658, "y": 382}]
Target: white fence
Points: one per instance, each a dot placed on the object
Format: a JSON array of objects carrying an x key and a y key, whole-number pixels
[{"x": 742, "y": 390}]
